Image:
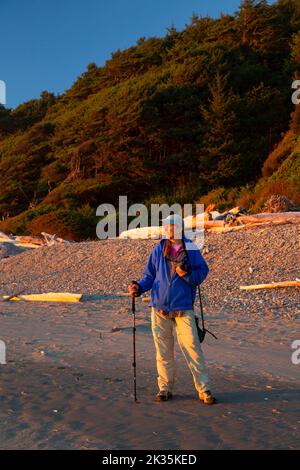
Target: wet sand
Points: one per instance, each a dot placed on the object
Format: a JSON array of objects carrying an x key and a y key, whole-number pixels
[{"x": 68, "y": 381}]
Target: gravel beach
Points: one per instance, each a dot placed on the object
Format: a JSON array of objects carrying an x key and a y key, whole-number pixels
[{"x": 254, "y": 256}]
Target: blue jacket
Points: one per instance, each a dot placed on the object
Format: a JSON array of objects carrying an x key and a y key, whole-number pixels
[{"x": 177, "y": 293}]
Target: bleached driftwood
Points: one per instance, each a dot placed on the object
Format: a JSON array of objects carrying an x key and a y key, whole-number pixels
[
  {"x": 14, "y": 242},
  {"x": 237, "y": 228},
  {"x": 47, "y": 297},
  {"x": 273, "y": 285},
  {"x": 274, "y": 218},
  {"x": 245, "y": 222},
  {"x": 4, "y": 237},
  {"x": 211, "y": 224},
  {"x": 27, "y": 239},
  {"x": 51, "y": 239}
]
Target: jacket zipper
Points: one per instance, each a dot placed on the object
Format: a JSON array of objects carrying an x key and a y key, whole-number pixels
[{"x": 170, "y": 279}]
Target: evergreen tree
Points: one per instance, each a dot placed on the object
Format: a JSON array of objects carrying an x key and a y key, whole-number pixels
[
  {"x": 6, "y": 121},
  {"x": 256, "y": 22},
  {"x": 219, "y": 155}
]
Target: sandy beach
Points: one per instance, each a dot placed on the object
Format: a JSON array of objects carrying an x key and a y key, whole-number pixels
[{"x": 68, "y": 381}]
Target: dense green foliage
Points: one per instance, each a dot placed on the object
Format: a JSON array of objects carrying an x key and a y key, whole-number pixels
[{"x": 178, "y": 116}]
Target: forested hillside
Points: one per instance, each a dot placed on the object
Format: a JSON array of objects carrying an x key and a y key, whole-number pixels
[{"x": 202, "y": 114}]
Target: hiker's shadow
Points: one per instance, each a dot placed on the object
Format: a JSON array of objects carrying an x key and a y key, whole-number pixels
[
  {"x": 250, "y": 396},
  {"x": 259, "y": 396},
  {"x": 141, "y": 327}
]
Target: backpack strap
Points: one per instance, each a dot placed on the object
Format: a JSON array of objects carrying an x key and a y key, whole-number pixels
[{"x": 205, "y": 330}]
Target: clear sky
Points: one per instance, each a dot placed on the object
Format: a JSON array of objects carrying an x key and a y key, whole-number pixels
[{"x": 46, "y": 44}]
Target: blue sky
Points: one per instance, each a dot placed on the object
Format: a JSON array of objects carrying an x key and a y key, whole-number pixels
[{"x": 46, "y": 44}]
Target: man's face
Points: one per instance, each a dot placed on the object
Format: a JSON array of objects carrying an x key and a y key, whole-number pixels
[{"x": 172, "y": 231}]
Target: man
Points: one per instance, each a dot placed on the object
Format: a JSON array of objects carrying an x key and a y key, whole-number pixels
[{"x": 173, "y": 273}]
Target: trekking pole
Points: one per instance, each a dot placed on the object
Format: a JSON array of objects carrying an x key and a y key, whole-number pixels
[
  {"x": 6, "y": 299},
  {"x": 134, "y": 355}
]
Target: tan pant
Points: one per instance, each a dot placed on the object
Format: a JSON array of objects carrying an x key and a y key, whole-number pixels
[{"x": 163, "y": 335}]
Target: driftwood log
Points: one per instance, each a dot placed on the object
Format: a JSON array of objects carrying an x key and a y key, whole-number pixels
[
  {"x": 273, "y": 285},
  {"x": 275, "y": 218},
  {"x": 4, "y": 237},
  {"x": 28, "y": 239},
  {"x": 247, "y": 221},
  {"x": 32, "y": 242},
  {"x": 51, "y": 239}
]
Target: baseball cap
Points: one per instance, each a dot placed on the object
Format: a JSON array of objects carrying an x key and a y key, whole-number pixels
[{"x": 173, "y": 219}]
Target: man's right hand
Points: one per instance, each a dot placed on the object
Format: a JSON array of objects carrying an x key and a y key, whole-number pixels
[{"x": 134, "y": 289}]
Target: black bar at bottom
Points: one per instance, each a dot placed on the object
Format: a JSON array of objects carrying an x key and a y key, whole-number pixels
[{"x": 137, "y": 458}]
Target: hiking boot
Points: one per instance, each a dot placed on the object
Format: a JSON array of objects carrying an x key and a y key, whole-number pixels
[
  {"x": 207, "y": 398},
  {"x": 163, "y": 395}
]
